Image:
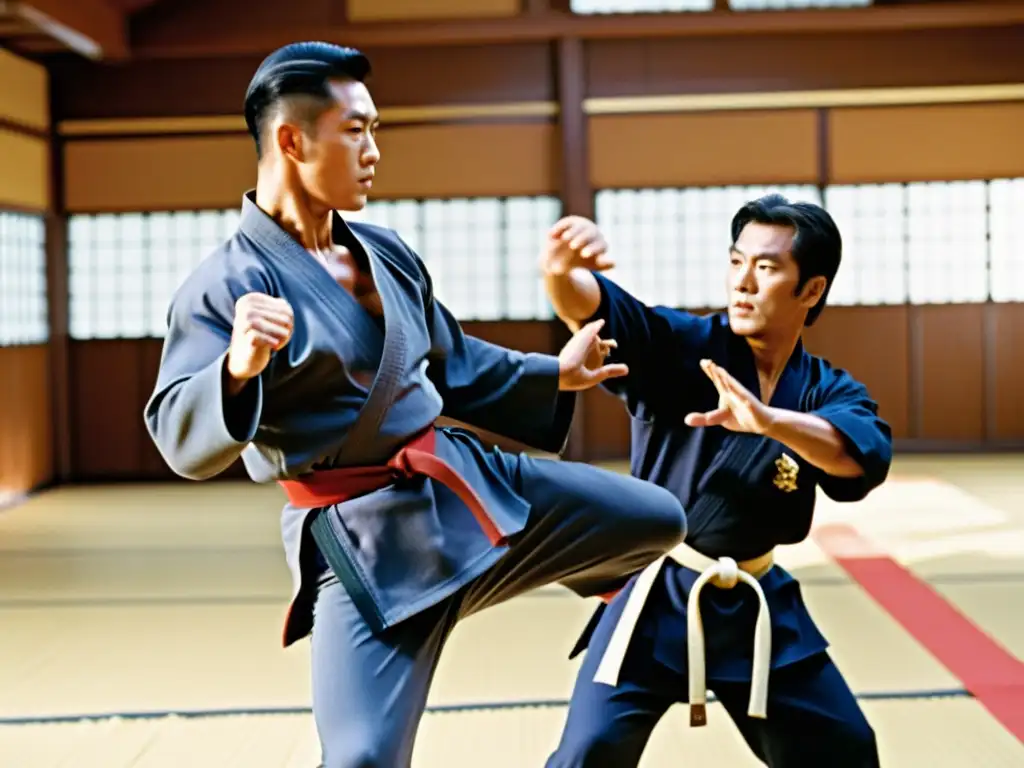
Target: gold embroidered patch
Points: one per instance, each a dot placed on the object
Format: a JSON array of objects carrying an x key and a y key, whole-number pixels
[{"x": 785, "y": 480}]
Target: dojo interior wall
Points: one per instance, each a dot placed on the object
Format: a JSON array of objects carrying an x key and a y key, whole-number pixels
[
  {"x": 25, "y": 405},
  {"x": 465, "y": 121}
]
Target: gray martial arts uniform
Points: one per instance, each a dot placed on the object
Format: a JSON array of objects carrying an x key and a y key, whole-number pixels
[{"x": 396, "y": 567}]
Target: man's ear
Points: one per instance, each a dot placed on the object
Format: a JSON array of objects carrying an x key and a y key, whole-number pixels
[
  {"x": 813, "y": 290},
  {"x": 290, "y": 141}
]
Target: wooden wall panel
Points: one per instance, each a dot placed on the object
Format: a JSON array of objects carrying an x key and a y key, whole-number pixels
[
  {"x": 703, "y": 149},
  {"x": 950, "y": 368},
  {"x": 26, "y": 430},
  {"x": 525, "y": 335},
  {"x": 88, "y": 90},
  {"x": 926, "y": 143},
  {"x": 468, "y": 160},
  {"x": 85, "y": 90},
  {"x": 873, "y": 344},
  {"x": 214, "y": 171},
  {"x": 24, "y": 123},
  {"x": 523, "y": 71},
  {"x": 24, "y": 98},
  {"x": 113, "y": 379},
  {"x": 400, "y": 10},
  {"x": 879, "y": 345},
  {"x": 151, "y": 463},
  {"x": 192, "y": 18},
  {"x": 108, "y": 396},
  {"x": 606, "y": 426},
  {"x": 25, "y": 180},
  {"x": 804, "y": 62},
  {"x": 157, "y": 173},
  {"x": 26, "y": 425},
  {"x": 1005, "y": 331}
]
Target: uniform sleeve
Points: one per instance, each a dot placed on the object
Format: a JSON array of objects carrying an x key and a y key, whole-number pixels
[
  {"x": 661, "y": 346},
  {"x": 510, "y": 393},
  {"x": 851, "y": 410},
  {"x": 198, "y": 429}
]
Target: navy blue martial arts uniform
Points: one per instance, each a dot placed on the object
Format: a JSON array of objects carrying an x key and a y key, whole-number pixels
[
  {"x": 737, "y": 507},
  {"x": 381, "y": 578}
]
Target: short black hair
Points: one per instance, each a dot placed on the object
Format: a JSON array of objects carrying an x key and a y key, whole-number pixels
[
  {"x": 817, "y": 244},
  {"x": 297, "y": 70}
]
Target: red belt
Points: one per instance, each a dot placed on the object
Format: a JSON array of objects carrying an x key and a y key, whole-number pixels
[{"x": 417, "y": 457}]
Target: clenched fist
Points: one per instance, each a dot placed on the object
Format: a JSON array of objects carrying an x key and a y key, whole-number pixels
[
  {"x": 575, "y": 242},
  {"x": 263, "y": 325}
]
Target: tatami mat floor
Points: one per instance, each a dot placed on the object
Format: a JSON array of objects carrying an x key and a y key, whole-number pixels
[{"x": 137, "y": 600}]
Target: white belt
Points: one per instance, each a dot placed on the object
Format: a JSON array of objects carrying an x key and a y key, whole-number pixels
[{"x": 724, "y": 573}]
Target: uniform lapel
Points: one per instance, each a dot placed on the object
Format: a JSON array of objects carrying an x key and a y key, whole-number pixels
[
  {"x": 348, "y": 314},
  {"x": 738, "y": 452}
]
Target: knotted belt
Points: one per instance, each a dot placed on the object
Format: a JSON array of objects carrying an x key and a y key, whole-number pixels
[
  {"x": 724, "y": 573},
  {"x": 417, "y": 457}
]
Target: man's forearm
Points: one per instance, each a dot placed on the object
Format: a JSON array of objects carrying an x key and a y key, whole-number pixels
[
  {"x": 815, "y": 440},
  {"x": 575, "y": 296}
]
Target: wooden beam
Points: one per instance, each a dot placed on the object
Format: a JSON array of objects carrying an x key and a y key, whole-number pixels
[
  {"x": 150, "y": 42},
  {"x": 92, "y": 28}
]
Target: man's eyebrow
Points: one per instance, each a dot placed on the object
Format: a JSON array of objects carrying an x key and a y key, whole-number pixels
[
  {"x": 363, "y": 117},
  {"x": 770, "y": 255}
]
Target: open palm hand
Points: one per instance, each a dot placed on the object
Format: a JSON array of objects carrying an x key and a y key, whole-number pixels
[{"x": 738, "y": 408}]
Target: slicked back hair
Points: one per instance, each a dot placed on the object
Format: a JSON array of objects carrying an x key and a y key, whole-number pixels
[
  {"x": 299, "y": 72},
  {"x": 817, "y": 244}
]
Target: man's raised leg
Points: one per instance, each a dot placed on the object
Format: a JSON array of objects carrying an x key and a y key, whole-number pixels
[
  {"x": 369, "y": 692},
  {"x": 590, "y": 529}
]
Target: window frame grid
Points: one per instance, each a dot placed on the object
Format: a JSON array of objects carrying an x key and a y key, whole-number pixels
[
  {"x": 514, "y": 299},
  {"x": 905, "y": 236},
  {"x": 99, "y": 246},
  {"x": 415, "y": 234},
  {"x": 24, "y": 288}
]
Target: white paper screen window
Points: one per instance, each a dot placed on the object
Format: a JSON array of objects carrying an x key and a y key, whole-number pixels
[
  {"x": 1006, "y": 212},
  {"x": 872, "y": 221},
  {"x": 947, "y": 242},
  {"x": 23, "y": 290},
  {"x": 123, "y": 268},
  {"x": 481, "y": 253},
  {"x": 671, "y": 246}
]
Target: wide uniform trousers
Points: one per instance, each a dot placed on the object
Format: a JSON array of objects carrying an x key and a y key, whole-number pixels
[
  {"x": 589, "y": 529},
  {"x": 814, "y": 720}
]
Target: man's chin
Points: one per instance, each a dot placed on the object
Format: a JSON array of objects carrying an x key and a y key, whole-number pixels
[
  {"x": 352, "y": 204},
  {"x": 744, "y": 326}
]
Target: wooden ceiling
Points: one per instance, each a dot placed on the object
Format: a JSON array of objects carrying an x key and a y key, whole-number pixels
[
  {"x": 117, "y": 30},
  {"x": 96, "y": 29}
]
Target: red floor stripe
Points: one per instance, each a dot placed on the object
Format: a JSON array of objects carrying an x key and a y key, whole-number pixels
[{"x": 991, "y": 673}]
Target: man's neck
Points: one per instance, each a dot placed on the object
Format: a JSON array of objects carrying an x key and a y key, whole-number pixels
[
  {"x": 772, "y": 353},
  {"x": 306, "y": 221}
]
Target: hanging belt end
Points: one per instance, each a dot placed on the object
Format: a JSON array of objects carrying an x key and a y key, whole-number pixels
[
  {"x": 758, "y": 707},
  {"x": 698, "y": 715}
]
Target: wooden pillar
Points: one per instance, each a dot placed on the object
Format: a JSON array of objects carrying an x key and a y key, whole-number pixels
[
  {"x": 576, "y": 192},
  {"x": 57, "y": 302}
]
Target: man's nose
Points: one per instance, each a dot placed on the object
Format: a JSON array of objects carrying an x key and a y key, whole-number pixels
[
  {"x": 371, "y": 156},
  {"x": 743, "y": 281}
]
